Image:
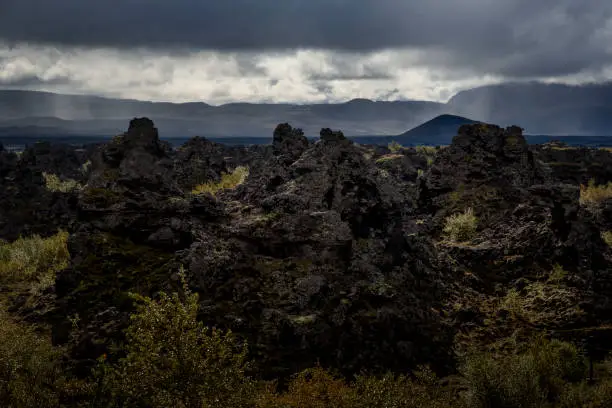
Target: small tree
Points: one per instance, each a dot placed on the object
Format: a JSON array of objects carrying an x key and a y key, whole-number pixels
[{"x": 174, "y": 361}]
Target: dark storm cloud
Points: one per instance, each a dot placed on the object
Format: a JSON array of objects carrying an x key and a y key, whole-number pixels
[
  {"x": 33, "y": 81},
  {"x": 508, "y": 37}
]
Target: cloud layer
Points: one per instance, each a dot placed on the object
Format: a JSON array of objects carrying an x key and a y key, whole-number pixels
[
  {"x": 304, "y": 76},
  {"x": 298, "y": 50}
]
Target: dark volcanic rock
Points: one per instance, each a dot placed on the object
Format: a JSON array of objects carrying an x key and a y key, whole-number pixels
[
  {"x": 532, "y": 234},
  {"x": 326, "y": 252},
  {"x": 65, "y": 161},
  {"x": 576, "y": 165},
  {"x": 288, "y": 141},
  {"x": 27, "y": 207},
  {"x": 318, "y": 266},
  {"x": 200, "y": 160},
  {"x": 328, "y": 135},
  {"x": 484, "y": 168}
]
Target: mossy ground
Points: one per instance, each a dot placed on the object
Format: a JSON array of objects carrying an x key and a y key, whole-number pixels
[{"x": 115, "y": 266}]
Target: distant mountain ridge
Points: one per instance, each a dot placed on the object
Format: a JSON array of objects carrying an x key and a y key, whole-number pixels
[
  {"x": 548, "y": 109},
  {"x": 86, "y": 115},
  {"x": 555, "y": 109}
]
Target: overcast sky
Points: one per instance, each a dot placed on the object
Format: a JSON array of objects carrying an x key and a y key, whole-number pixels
[{"x": 221, "y": 51}]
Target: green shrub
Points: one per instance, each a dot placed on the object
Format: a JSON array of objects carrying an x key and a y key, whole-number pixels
[
  {"x": 35, "y": 260},
  {"x": 54, "y": 183},
  {"x": 86, "y": 168},
  {"x": 592, "y": 195},
  {"x": 228, "y": 181},
  {"x": 607, "y": 237},
  {"x": 461, "y": 227},
  {"x": 174, "y": 361},
  {"x": 557, "y": 274},
  {"x": 587, "y": 395},
  {"x": 395, "y": 147},
  {"x": 429, "y": 152}
]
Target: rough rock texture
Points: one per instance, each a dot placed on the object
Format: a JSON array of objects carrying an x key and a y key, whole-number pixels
[
  {"x": 289, "y": 142},
  {"x": 332, "y": 251},
  {"x": 485, "y": 168},
  {"x": 575, "y": 165},
  {"x": 200, "y": 160},
  {"x": 27, "y": 207},
  {"x": 328, "y": 135},
  {"x": 62, "y": 160},
  {"x": 321, "y": 267}
]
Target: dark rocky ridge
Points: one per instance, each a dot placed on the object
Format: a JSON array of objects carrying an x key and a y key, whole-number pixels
[{"x": 329, "y": 251}]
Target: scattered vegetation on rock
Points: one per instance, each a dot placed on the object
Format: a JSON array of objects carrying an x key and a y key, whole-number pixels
[
  {"x": 429, "y": 152},
  {"x": 54, "y": 183},
  {"x": 315, "y": 273},
  {"x": 171, "y": 359}
]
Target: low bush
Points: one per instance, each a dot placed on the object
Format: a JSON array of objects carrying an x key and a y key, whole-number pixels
[
  {"x": 388, "y": 157},
  {"x": 35, "y": 259},
  {"x": 592, "y": 195},
  {"x": 228, "y": 181},
  {"x": 318, "y": 388},
  {"x": 395, "y": 147},
  {"x": 54, "y": 183},
  {"x": 607, "y": 237},
  {"x": 461, "y": 227},
  {"x": 427, "y": 150},
  {"x": 537, "y": 377}
]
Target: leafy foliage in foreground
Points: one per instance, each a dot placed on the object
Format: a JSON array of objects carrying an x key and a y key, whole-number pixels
[
  {"x": 174, "y": 361},
  {"x": 171, "y": 360}
]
